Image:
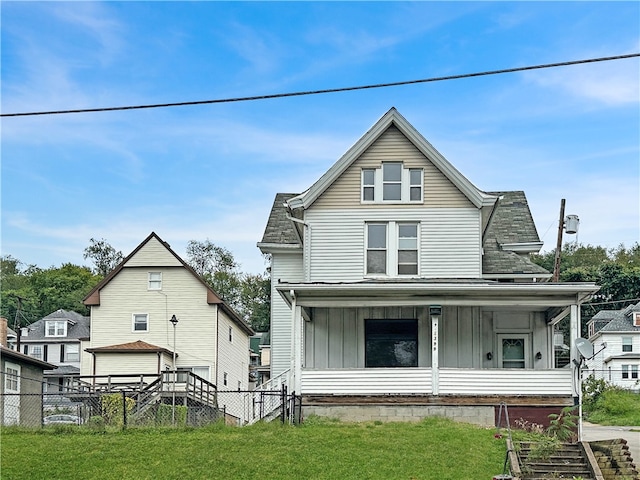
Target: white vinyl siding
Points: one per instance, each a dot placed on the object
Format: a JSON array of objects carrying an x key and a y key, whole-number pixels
[
  {"x": 287, "y": 268},
  {"x": 153, "y": 254},
  {"x": 337, "y": 242}
]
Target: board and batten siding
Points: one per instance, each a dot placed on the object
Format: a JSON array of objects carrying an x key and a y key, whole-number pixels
[
  {"x": 392, "y": 145},
  {"x": 337, "y": 242},
  {"x": 286, "y": 267},
  {"x": 182, "y": 295},
  {"x": 335, "y": 338}
]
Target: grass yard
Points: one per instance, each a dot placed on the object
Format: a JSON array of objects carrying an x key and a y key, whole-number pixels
[{"x": 432, "y": 449}]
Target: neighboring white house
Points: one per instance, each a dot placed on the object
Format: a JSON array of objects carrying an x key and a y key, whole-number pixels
[
  {"x": 400, "y": 286},
  {"x": 56, "y": 339},
  {"x": 132, "y": 332},
  {"x": 615, "y": 335}
]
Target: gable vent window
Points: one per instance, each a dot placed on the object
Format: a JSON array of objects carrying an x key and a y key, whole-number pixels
[
  {"x": 392, "y": 183},
  {"x": 155, "y": 280}
]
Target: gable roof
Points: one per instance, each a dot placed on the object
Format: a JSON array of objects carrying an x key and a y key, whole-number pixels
[
  {"x": 93, "y": 297},
  {"x": 393, "y": 117},
  {"x": 280, "y": 229},
  {"x": 78, "y": 326}
]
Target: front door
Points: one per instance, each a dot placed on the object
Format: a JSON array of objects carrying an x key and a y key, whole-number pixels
[{"x": 514, "y": 350}]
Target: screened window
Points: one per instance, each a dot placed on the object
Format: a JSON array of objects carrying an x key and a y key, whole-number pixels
[
  {"x": 140, "y": 322},
  {"x": 391, "y": 343},
  {"x": 376, "y": 248},
  {"x": 627, "y": 344},
  {"x": 55, "y": 328},
  {"x": 407, "y": 249},
  {"x": 72, "y": 353},
  {"x": 155, "y": 280}
]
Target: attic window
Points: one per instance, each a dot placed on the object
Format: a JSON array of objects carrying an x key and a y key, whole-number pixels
[
  {"x": 155, "y": 281},
  {"x": 55, "y": 328},
  {"x": 392, "y": 183}
]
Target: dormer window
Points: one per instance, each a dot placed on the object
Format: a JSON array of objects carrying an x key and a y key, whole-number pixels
[
  {"x": 392, "y": 183},
  {"x": 155, "y": 281},
  {"x": 636, "y": 319},
  {"x": 55, "y": 328}
]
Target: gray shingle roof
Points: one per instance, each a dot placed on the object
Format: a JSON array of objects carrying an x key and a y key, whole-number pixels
[
  {"x": 78, "y": 326},
  {"x": 616, "y": 320},
  {"x": 512, "y": 223}
]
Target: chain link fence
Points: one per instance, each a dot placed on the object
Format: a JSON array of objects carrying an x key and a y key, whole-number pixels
[{"x": 124, "y": 407}]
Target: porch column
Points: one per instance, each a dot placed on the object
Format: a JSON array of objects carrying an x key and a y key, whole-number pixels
[
  {"x": 296, "y": 346},
  {"x": 574, "y": 331},
  {"x": 435, "y": 377}
]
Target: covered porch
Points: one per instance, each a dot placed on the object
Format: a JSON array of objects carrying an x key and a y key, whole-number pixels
[{"x": 433, "y": 339}]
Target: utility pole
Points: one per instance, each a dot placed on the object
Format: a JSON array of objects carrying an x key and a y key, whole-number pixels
[
  {"x": 556, "y": 263},
  {"x": 16, "y": 323}
]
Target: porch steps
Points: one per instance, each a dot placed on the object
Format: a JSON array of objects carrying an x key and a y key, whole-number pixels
[{"x": 567, "y": 461}]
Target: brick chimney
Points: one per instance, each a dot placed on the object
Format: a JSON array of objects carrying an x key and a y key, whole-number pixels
[{"x": 3, "y": 332}]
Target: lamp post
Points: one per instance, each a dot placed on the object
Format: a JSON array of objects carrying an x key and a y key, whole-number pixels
[{"x": 174, "y": 322}]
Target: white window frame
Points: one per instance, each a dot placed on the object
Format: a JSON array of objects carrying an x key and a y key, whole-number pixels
[
  {"x": 133, "y": 322},
  {"x": 70, "y": 355},
  {"x": 625, "y": 372},
  {"x": 36, "y": 351},
  {"x": 378, "y": 184},
  {"x": 11, "y": 378},
  {"x": 392, "y": 249},
  {"x": 634, "y": 372},
  {"x": 154, "y": 281},
  {"x": 59, "y": 328},
  {"x": 627, "y": 342}
]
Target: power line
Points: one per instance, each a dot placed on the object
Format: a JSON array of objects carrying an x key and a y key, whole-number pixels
[{"x": 328, "y": 90}]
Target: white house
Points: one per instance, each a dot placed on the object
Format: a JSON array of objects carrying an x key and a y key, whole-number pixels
[
  {"x": 132, "y": 332},
  {"x": 615, "y": 335},
  {"x": 401, "y": 288}
]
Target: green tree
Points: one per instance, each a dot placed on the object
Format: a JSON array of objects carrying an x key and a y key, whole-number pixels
[{"x": 103, "y": 256}]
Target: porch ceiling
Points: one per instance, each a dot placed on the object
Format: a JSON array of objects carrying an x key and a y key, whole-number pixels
[{"x": 429, "y": 292}]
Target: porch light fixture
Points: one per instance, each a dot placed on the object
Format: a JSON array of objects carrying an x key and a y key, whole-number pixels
[
  {"x": 538, "y": 356},
  {"x": 489, "y": 356}
]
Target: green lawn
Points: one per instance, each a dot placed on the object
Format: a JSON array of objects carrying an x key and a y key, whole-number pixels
[{"x": 433, "y": 449}]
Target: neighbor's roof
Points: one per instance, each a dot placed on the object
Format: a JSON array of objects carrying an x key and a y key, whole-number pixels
[
  {"x": 78, "y": 326},
  {"x": 616, "y": 320},
  {"x": 12, "y": 355}
]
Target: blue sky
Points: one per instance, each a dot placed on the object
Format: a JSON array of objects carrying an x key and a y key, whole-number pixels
[{"x": 212, "y": 171}]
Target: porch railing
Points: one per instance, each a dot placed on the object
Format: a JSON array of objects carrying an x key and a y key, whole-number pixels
[
  {"x": 265, "y": 399},
  {"x": 452, "y": 381}
]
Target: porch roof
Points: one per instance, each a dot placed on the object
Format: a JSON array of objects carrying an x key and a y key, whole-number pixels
[{"x": 446, "y": 292}]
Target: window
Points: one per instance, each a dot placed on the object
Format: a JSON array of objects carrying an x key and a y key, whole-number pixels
[
  {"x": 225, "y": 378},
  {"x": 634, "y": 372},
  {"x": 368, "y": 184},
  {"x": 72, "y": 353},
  {"x": 140, "y": 322},
  {"x": 407, "y": 249},
  {"x": 392, "y": 183},
  {"x": 514, "y": 350},
  {"x": 376, "y": 248},
  {"x": 36, "y": 352},
  {"x": 636, "y": 319},
  {"x": 25, "y": 349},
  {"x": 231, "y": 334},
  {"x": 11, "y": 378},
  {"x": 391, "y": 343},
  {"x": 155, "y": 281},
  {"x": 625, "y": 371},
  {"x": 55, "y": 328},
  {"x": 627, "y": 344},
  {"x": 392, "y": 248}
]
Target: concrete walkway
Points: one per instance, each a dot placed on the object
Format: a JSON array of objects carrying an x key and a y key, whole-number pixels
[{"x": 592, "y": 432}]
